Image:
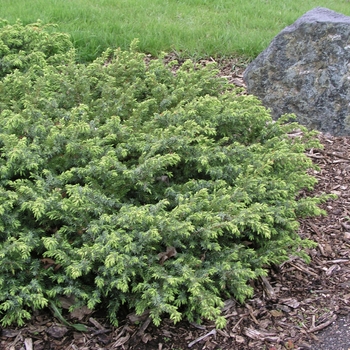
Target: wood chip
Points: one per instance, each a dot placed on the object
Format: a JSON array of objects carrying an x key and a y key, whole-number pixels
[
  {"x": 212, "y": 332},
  {"x": 28, "y": 343},
  {"x": 323, "y": 325}
]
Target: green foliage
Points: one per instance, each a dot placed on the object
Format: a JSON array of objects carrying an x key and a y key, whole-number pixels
[
  {"x": 124, "y": 183},
  {"x": 22, "y": 47}
]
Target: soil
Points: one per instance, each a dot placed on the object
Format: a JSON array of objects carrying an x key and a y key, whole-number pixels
[{"x": 297, "y": 306}]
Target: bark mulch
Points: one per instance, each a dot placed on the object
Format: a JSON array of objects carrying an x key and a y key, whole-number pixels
[{"x": 293, "y": 305}]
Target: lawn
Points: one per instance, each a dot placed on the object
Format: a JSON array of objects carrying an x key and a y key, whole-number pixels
[{"x": 193, "y": 28}]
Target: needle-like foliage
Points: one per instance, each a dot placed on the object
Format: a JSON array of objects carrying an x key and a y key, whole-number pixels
[{"x": 123, "y": 182}]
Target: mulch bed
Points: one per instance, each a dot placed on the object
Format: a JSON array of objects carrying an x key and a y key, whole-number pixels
[{"x": 290, "y": 306}]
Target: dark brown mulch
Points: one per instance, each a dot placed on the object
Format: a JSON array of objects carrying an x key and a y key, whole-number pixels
[{"x": 289, "y": 309}]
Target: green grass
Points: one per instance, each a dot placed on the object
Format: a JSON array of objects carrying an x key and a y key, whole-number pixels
[{"x": 194, "y": 28}]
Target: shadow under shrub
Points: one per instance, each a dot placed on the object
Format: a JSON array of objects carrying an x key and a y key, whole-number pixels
[{"x": 125, "y": 183}]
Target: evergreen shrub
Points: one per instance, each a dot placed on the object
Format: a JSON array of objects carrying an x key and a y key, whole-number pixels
[{"x": 124, "y": 183}]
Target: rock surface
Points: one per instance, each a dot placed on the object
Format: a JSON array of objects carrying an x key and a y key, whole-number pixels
[{"x": 306, "y": 71}]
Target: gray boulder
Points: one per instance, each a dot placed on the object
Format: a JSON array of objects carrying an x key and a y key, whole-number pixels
[{"x": 306, "y": 71}]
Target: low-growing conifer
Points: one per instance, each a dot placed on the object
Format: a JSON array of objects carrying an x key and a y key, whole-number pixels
[{"x": 123, "y": 182}]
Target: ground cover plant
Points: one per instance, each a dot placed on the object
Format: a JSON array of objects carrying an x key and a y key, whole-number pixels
[
  {"x": 126, "y": 184},
  {"x": 194, "y": 28}
]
